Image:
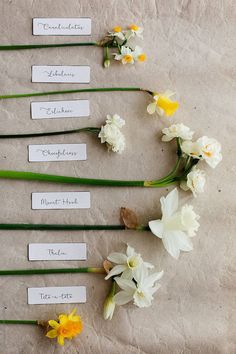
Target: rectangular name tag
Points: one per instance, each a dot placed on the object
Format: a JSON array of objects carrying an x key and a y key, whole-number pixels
[
  {"x": 57, "y": 152},
  {"x": 61, "y": 200},
  {"x": 61, "y": 73},
  {"x": 57, "y": 251},
  {"x": 57, "y": 295},
  {"x": 60, "y": 109},
  {"x": 61, "y": 26}
]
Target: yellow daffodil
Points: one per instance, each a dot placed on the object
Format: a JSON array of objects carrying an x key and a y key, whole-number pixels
[
  {"x": 162, "y": 104},
  {"x": 67, "y": 327}
]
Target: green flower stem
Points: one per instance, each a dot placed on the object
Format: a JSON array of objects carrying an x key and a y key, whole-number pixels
[
  {"x": 95, "y": 89},
  {"x": 35, "y": 135},
  {"x": 51, "y": 271},
  {"x": 34, "y": 176},
  {"x": 36, "y": 46},
  {"x": 62, "y": 227},
  {"x": 26, "y": 322}
]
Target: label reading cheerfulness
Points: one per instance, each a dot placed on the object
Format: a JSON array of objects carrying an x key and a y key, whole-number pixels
[
  {"x": 61, "y": 26},
  {"x": 61, "y": 200},
  {"x": 57, "y": 251},
  {"x": 60, "y": 109},
  {"x": 57, "y": 152},
  {"x": 61, "y": 73},
  {"x": 57, "y": 295}
]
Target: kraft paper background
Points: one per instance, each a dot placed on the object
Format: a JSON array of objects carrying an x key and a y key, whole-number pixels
[{"x": 191, "y": 49}]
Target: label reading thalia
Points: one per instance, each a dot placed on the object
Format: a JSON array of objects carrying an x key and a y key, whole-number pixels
[{"x": 71, "y": 251}]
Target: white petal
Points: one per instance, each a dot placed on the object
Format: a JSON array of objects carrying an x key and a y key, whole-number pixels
[
  {"x": 156, "y": 227},
  {"x": 169, "y": 204},
  {"x": 118, "y": 258},
  {"x": 115, "y": 271},
  {"x": 122, "y": 298},
  {"x": 130, "y": 251},
  {"x": 126, "y": 284},
  {"x": 171, "y": 246},
  {"x": 152, "y": 278},
  {"x": 127, "y": 274},
  {"x": 151, "y": 108},
  {"x": 142, "y": 301}
]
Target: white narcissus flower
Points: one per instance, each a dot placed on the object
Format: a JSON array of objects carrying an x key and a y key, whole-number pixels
[
  {"x": 126, "y": 263},
  {"x": 117, "y": 32},
  {"x": 195, "y": 181},
  {"x": 111, "y": 135},
  {"x": 139, "y": 55},
  {"x": 109, "y": 308},
  {"x": 208, "y": 149},
  {"x": 175, "y": 227},
  {"x": 125, "y": 56},
  {"x": 177, "y": 131},
  {"x": 140, "y": 290},
  {"x": 162, "y": 104},
  {"x": 133, "y": 31}
]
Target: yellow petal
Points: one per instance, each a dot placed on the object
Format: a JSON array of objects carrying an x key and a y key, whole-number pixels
[
  {"x": 168, "y": 106},
  {"x": 60, "y": 340},
  {"x": 63, "y": 319},
  {"x": 73, "y": 312},
  {"x": 52, "y": 333},
  {"x": 53, "y": 324}
]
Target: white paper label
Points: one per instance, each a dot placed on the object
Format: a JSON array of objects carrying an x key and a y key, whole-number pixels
[
  {"x": 61, "y": 26},
  {"x": 61, "y": 200},
  {"x": 57, "y": 295},
  {"x": 57, "y": 251},
  {"x": 57, "y": 152},
  {"x": 61, "y": 73},
  {"x": 60, "y": 109}
]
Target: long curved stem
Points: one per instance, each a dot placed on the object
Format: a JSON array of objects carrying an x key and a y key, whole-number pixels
[
  {"x": 95, "y": 89},
  {"x": 51, "y": 271},
  {"x": 35, "y": 46},
  {"x": 35, "y": 135},
  {"x": 26, "y": 322}
]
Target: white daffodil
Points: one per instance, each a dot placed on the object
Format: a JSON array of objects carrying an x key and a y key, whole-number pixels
[
  {"x": 109, "y": 308},
  {"x": 175, "y": 227},
  {"x": 177, "y": 131},
  {"x": 140, "y": 290},
  {"x": 111, "y": 135},
  {"x": 126, "y": 263},
  {"x": 126, "y": 55},
  {"x": 116, "y": 120},
  {"x": 195, "y": 181},
  {"x": 162, "y": 104},
  {"x": 134, "y": 31},
  {"x": 204, "y": 148},
  {"x": 139, "y": 55},
  {"x": 117, "y": 32}
]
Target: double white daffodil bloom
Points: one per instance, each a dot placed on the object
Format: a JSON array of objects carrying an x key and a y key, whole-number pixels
[
  {"x": 140, "y": 289},
  {"x": 176, "y": 226},
  {"x": 195, "y": 181},
  {"x": 162, "y": 104},
  {"x": 111, "y": 135},
  {"x": 126, "y": 264},
  {"x": 208, "y": 149},
  {"x": 177, "y": 131}
]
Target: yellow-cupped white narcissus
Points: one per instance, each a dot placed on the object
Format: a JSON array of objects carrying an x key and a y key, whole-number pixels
[
  {"x": 140, "y": 289},
  {"x": 133, "y": 31},
  {"x": 139, "y": 55},
  {"x": 117, "y": 32},
  {"x": 126, "y": 55},
  {"x": 195, "y": 181},
  {"x": 176, "y": 226},
  {"x": 163, "y": 104},
  {"x": 177, "y": 131},
  {"x": 111, "y": 135},
  {"x": 208, "y": 149},
  {"x": 126, "y": 264}
]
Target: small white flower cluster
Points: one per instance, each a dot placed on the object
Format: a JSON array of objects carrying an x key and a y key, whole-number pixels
[
  {"x": 176, "y": 227},
  {"x": 120, "y": 38},
  {"x": 136, "y": 282},
  {"x": 111, "y": 135},
  {"x": 207, "y": 149}
]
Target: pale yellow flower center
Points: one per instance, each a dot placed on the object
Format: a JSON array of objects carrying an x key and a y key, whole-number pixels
[
  {"x": 134, "y": 27},
  {"x": 128, "y": 58},
  {"x": 117, "y": 29},
  {"x": 142, "y": 57},
  {"x": 132, "y": 262}
]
